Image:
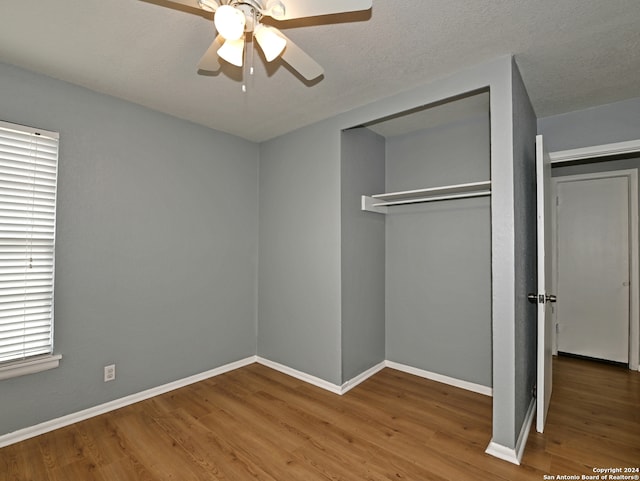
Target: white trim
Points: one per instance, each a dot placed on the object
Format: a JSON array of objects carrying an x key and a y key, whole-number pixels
[
  {"x": 595, "y": 151},
  {"x": 51, "y": 425},
  {"x": 47, "y": 426},
  {"x": 348, "y": 385},
  {"x": 521, "y": 443},
  {"x": 634, "y": 257},
  {"x": 554, "y": 263},
  {"x": 514, "y": 455},
  {"x": 360, "y": 378},
  {"x": 469, "y": 386},
  {"x": 303, "y": 376},
  {"x": 501, "y": 452},
  {"x": 379, "y": 202},
  {"x": 30, "y": 130},
  {"x": 367, "y": 203},
  {"x": 29, "y": 366}
]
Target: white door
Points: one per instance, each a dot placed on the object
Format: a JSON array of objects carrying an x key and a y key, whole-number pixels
[
  {"x": 592, "y": 230},
  {"x": 544, "y": 298}
]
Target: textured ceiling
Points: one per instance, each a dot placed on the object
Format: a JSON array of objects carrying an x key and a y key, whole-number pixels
[
  {"x": 427, "y": 117},
  {"x": 572, "y": 54}
]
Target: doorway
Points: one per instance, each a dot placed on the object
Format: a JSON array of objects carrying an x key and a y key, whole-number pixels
[{"x": 595, "y": 265}]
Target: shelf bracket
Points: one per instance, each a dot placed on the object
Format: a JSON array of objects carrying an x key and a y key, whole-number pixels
[{"x": 368, "y": 205}]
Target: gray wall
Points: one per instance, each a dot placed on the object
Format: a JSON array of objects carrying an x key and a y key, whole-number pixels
[
  {"x": 605, "y": 124},
  {"x": 156, "y": 258},
  {"x": 299, "y": 303},
  {"x": 439, "y": 254},
  {"x": 497, "y": 76},
  {"x": 300, "y": 254},
  {"x": 299, "y": 232},
  {"x": 524, "y": 180},
  {"x": 362, "y": 254}
]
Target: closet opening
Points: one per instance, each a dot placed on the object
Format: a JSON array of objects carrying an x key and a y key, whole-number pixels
[{"x": 416, "y": 194}]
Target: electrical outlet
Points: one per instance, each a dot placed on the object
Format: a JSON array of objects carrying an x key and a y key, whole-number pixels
[{"x": 109, "y": 372}]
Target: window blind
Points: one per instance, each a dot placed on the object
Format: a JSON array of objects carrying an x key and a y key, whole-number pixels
[{"x": 28, "y": 175}]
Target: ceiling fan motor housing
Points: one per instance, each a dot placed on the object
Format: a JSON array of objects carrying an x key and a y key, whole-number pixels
[
  {"x": 251, "y": 14},
  {"x": 262, "y": 8}
]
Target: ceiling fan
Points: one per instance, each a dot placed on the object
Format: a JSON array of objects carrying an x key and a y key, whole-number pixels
[{"x": 235, "y": 20}]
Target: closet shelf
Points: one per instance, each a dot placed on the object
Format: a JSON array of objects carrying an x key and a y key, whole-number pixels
[{"x": 380, "y": 202}]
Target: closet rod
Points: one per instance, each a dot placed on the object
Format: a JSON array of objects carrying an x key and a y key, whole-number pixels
[
  {"x": 480, "y": 193},
  {"x": 444, "y": 190}
]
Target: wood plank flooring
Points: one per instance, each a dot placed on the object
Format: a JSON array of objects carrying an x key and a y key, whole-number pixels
[{"x": 256, "y": 423}]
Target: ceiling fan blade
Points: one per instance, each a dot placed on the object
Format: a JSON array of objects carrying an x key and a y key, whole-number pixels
[
  {"x": 300, "y": 60},
  {"x": 188, "y": 3},
  {"x": 313, "y": 8},
  {"x": 210, "y": 61},
  {"x": 206, "y": 5}
]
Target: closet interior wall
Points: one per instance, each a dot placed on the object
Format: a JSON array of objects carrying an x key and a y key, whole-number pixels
[
  {"x": 362, "y": 260},
  {"x": 437, "y": 255}
]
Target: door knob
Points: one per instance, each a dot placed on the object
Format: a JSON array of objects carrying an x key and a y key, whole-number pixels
[{"x": 534, "y": 298}]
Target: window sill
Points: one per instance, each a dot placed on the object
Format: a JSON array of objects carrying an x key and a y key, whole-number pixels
[{"x": 29, "y": 366}]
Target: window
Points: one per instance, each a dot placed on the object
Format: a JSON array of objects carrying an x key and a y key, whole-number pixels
[{"x": 28, "y": 173}]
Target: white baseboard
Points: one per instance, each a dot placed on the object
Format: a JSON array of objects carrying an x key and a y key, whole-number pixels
[
  {"x": 469, "y": 386},
  {"x": 526, "y": 427},
  {"x": 501, "y": 452},
  {"x": 321, "y": 383},
  {"x": 514, "y": 455},
  {"x": 47, "y": 426},
  {"x": 360, "y": 378},
  {"x": 350, "y": 384},
  {"x": 303, "y": 376}
]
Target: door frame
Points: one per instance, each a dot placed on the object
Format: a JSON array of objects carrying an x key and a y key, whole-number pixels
[
  {"x": 634, "y": 291},
  {"x": 595, "y": 151}
]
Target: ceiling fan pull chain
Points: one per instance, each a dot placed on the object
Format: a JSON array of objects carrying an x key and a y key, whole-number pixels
[
  {"x": 248, "y": 53},
  {"x": 252, "y": 38},
  {"x": 245, "y": 66}
]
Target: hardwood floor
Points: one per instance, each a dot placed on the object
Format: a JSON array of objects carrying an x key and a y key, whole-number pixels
[{"x": 256, "y": 423}]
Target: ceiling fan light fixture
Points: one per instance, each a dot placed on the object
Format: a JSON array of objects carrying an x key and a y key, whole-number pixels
[
  {"x": 270, "y": 42},
  {"x": 229, "y": 22},
  {"x": 232, "y": 51}
]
